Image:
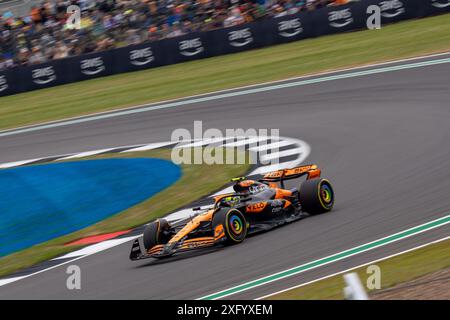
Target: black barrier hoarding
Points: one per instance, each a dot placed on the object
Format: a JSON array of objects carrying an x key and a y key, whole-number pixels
[
  {"x": 7, "y": 79},
  {"x": 392, "y": 10},
  {"x": 186, "y": 48},
  {"x": 41, "y": 76},
  {"x": 92, "y": 65},
  {"x": 431, "y": 7},
  {"x": 289, "y": 28},
  {"x": 138, "y": 57},
  {"x": 396, "y": 10},
  {"x": 236, "y": 39},
  {"x": 328, "y": 20},
  {"x": 339, "y": 19}
]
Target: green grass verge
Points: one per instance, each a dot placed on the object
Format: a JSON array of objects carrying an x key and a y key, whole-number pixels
[
  {"x": 406, "y": 39},
  {"x": 396, "y": 270},
  {"x": 196, "y": 182}
]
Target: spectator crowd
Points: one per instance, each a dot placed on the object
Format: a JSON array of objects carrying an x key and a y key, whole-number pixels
[{"x": 44, "y": 33}]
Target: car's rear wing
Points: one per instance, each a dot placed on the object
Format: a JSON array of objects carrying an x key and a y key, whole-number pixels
[{"x": 311, "y": 171}]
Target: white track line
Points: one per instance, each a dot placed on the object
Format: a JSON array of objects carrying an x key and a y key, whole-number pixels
[
  {"x": 281, "y": 154},
  {"x": 203, "y": 142},
  {"x": 187, "y": 212},
  {"x": 181, "y": 214},
  {"x": 275, "y": 167},
  {"x": 233, "y": 92},
  {"x": 226, "y": 190},
  {"x": 85, "y": 154},
  {"x": 326, "y": 260},
  {"x": 273, "y": 145},
  {"x": 10, "y": 280},
  {"x": 17, "y": 163},
  {"x": 299, "y": 144},
  {"x": 244, "y": 142},
  {"x": 353, "y": 268},
  {"x": 150, "y": 146}
]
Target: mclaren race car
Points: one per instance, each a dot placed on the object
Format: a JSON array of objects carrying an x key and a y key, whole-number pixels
[{"x": 255, "y": 205}]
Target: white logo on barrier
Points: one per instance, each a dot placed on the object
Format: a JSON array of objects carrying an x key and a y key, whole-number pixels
[
  {"x": 240, "y": 38},
  {"x": 140, "y": 57},
  {"x": 290, "y": 28},
  {"x": 43, "y": 75},
  {"x": 3, "y": 83},
  {"x": 374, "y": 20},
  {"x": 440, "y": 3},
  {"x": 340, "y": 18},
  {"x": 92, "y": 66},
  {"x": 391, "y": 8},
  {"x": 191, "y": 47}
]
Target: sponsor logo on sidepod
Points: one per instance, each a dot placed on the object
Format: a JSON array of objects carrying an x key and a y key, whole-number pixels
[
  {"x": 391, "y": 8},
  {"x": 43, "y": 75},
  {"x": 290, "y": 28},
  {"x": 92, "y": 66},
  {"x": 140, "y": 57},
  {"x": 340, "y": 18},
  {"x": 440, "y": 3},
  {"x": 190, "y": 47},
  {"x": 240, "y": 38},
  {"x": 3, "y": 83}
]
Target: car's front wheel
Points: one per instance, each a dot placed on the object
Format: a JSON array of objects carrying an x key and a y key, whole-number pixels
[
  {"x": 154, "y": 233},
  {"x": 232, "y": 223}
]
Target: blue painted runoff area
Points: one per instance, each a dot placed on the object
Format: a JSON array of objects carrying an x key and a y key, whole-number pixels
[{"x": 42, "y": 202}]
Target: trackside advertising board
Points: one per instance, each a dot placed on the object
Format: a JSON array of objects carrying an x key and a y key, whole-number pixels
[{"x": 329, "y": 20}]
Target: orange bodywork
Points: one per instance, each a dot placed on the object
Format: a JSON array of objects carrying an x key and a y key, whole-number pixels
[
  {"x": 192, "y": 225},
  {"x": 221, "y": 196},
  {"x": 219, "y": 232},
  {"x": 188, "y": 228},
  {"x": 271, "y": 178},
  {"x": 312, "y": 170},
  {"x": 246, "y": 183},
  {"x": 282, "y": 193},
  {"x": 187, "y": 244}
]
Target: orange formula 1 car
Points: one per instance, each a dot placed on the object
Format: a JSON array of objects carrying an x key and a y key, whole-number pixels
[{"x": 256, "y": 205}]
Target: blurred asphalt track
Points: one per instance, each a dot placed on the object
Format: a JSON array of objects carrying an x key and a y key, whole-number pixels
[{"x": 382, "y": 139}]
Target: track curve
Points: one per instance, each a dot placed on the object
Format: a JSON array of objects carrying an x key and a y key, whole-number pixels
[{"x": 383, "y": 140}]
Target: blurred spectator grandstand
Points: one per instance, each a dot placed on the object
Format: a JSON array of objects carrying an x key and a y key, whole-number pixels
[{"x": 43, "y": 34}]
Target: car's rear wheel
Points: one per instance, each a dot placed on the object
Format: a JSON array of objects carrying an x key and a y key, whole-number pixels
[
  {"x": 232, "y": 223},
  {"x": 154, "y": 233},
  {"x": 316, "y": 196}
]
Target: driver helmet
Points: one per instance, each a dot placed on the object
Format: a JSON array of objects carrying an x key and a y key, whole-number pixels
[{"x": 231, "y": 200}]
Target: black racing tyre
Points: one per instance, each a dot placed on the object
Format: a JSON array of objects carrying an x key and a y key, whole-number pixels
[
  {"x": 153, "y": 233},
  {"x": 234, "y": 224},
  {"x": 316, "y": 196}
]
